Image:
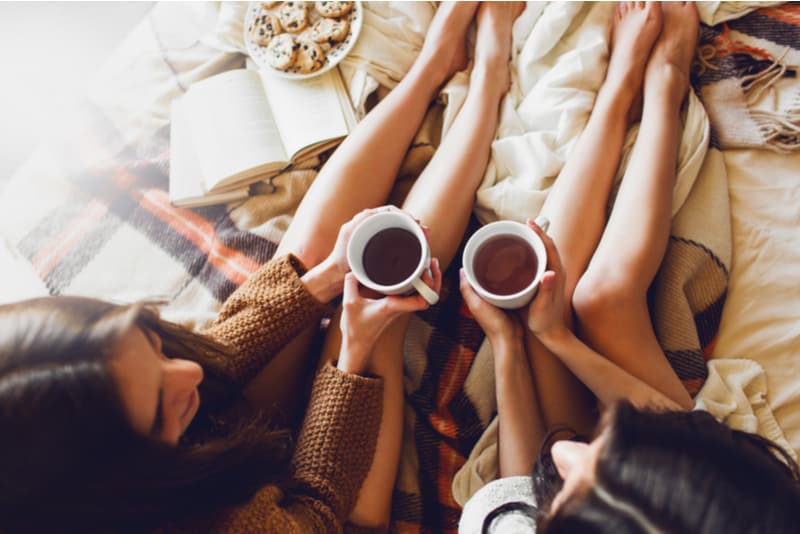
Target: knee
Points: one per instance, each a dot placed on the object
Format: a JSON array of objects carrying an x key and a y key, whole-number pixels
[{"x": 601, "y": 294}]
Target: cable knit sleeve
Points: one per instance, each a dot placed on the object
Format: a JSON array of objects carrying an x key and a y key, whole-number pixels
[
  {"x": 264, "y": 314},
  {"x": 334, "y": 454},
  {"x": 338, "y": 437}
]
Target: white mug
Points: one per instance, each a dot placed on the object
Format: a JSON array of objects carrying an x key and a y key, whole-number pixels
[
  {"x": 522, "y": 297},
  {"x": 371, "y": 226}
]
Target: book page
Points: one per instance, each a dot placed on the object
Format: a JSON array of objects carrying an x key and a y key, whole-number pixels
[
  {"x": 234, "y": 133},
  {"x": 186, "y": 185},
  {"x": 345, "y": 104},
  {"x": 185, "y": 176},
  {"x": 308, "y": 111}
]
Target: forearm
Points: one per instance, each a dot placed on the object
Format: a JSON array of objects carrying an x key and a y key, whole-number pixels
[
  {"x": 608, "y": 381},
  {"x": 263, "y": 315},
  {"x": 520, "y": 428},
  {"x": 354, "y": 357},
  {"x": 338, "y": 437},
  {"x": 324, "y": 281}
]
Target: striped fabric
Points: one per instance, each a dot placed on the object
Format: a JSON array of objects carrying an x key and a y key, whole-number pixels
[
  {"x": 746, "y": 70},
  {"x": 118, "y": 215}
]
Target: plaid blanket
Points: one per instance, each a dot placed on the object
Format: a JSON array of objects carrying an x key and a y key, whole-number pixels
[{"x": 90, "y": 213}]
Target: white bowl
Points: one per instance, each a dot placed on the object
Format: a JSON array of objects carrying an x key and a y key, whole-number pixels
[{"x": 334, "y": 54}]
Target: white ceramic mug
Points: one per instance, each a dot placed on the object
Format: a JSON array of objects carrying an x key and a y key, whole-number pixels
[
  {"x": 521, "y": 298},
  {"x": 371, "y": 226}
]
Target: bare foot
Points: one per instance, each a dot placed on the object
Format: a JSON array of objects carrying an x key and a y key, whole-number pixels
[
  {"x": 493, "y": 38},
  {"x": 445, "y": 50},
  {"x": 636, "y": 28},
  {"x": 670, "y": 63}
]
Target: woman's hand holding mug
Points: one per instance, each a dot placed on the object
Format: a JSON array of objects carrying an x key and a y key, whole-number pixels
[
  {"x": 326, "y": 280},
  {"x": 500, "y": 326},
  {"x": 544, "y": 316},
  {"x": 389, "y": 253},
  {"x": 338, "y": 256},
  {"x": 364, "y": 319}
]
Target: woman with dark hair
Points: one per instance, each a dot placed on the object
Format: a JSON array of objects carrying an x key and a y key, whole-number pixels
[
  {"x": 682, "y": 472},
  {"x": 652, "y": 467},
  {"x": 115, "y": 420}
]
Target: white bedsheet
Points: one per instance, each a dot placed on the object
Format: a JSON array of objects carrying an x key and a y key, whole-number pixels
[{"x": 761, "y": 317}]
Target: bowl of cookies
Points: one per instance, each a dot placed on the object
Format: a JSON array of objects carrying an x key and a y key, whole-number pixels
[{"x": 301, "y": 39}]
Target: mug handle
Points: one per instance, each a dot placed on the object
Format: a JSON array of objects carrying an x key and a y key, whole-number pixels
[
  {"x": 542, "y": 222},
  {"x": 427, "y": 293}
]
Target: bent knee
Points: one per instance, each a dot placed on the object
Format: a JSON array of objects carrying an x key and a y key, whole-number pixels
[{"x": 602, "y": 293}]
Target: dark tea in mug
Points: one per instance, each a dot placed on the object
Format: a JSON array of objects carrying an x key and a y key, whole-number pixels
[
  {"x": 505, "y": 264},
  {"x": 391, "y": 256}
]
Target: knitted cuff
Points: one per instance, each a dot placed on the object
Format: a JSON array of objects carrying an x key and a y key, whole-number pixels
[{"x": 338, "y": 437}]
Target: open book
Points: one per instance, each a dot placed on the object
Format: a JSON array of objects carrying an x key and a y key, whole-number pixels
[{"x": 243, "y": 126}]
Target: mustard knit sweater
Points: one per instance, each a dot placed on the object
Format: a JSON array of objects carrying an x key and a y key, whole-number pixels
[{"x": 338, "y": 435}]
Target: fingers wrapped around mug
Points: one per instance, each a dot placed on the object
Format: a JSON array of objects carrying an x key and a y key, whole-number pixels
[
  {"x": 496, "y": 323},
  {"x": 553, "y": 257},
  {"x": 545, "y": 313},
  {"x": 389, "y": 253},
  {"x": 336, "y": 262},
  {"x": 364, "y": 318}
]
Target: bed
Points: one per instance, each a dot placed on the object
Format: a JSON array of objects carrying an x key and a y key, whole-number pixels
[{"x": 88, "y": 212}]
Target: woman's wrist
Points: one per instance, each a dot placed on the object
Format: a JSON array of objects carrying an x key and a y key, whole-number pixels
[
  {"x": 506, "y": 345},
  {"x": 324, "y": 281},
  {"x": 353, "y": 357},
  {"x": 555, "y": 338}
]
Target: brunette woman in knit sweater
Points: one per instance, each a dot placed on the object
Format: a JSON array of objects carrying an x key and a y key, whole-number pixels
[{"x": 115, "y": 420}]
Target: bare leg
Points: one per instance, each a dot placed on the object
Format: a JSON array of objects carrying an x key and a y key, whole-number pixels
[
  {"x": 611, "y": 298},
  {"x": 361, "y": 172},
  {"x": 583, "y": 188},
  {"x": 444, "y": 194},
  {"x": 359, "y": 175},
  {"x": 442, "y": 198},
  {"x": 584, "y": 183}
]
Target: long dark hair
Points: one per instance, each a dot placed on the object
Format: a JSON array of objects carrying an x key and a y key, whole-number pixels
[
  {"x": 681, "y": 472},
  {"x": 69, "y": 457}
]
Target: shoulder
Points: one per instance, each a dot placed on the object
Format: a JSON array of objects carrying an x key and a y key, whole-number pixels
[{"x": 504, "y": 505}]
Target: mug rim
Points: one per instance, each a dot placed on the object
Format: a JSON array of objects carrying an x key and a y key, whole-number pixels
[
  {"x": 494, "y": 229},
  {"x": 361, "y": 273}
]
